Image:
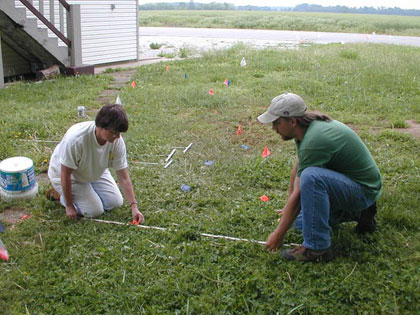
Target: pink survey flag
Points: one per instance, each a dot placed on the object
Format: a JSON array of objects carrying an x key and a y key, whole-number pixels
[
  {"x": 3, "y": 252},
  {"x": 24, "y": 217},
  {"x": 4, "y": 255},
  {"x": 133, "y": 84},
  {"x": 239, "y": 132}
]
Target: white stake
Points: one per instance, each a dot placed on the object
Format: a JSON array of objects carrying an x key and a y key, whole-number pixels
[
  {"x": 168, "y": 164},
  {"x": 150, "y": 227},
  {"x": 187, "y": 148},
  {"x": 170, "y": 155}
]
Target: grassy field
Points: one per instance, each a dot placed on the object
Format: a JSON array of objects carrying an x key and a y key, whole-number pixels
[
  {"x": 59, "y": 266},
  {"x": 294, "y": 21}
]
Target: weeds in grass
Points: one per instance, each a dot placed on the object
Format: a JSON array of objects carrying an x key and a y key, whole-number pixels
[
  {"x": 166, "y": 55},
  {"x": 155, "y": 45},
  {"x": 60, "y": 267},
  {"x": 114, "y": 70},
  {"x": 183, "y": 52},
  {"x": 398, "y": 123},
  {"x": 348, "y": 54}
]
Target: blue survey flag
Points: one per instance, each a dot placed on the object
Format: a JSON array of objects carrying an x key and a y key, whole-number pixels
[{"x": 185, "y": 188}]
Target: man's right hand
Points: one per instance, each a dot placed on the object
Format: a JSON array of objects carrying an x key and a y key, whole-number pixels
[
  {"x": 274, "y": 241},
  {"x": 71, "y": 212}
]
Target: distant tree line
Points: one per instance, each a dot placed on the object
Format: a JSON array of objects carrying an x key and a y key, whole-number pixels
[
  {"x": 188, "y": 6},
  {"x": 363, "y": 10},
  {"x": 191, "y": 5}
]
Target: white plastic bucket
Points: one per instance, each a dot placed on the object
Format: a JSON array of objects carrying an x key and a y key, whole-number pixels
[{"x": 17, "y": 178}]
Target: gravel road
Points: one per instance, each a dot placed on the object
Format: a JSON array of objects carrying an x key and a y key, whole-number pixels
[{"x": 198, "y": 40}]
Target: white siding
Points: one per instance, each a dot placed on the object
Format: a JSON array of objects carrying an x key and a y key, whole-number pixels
[{"x": 108, "y": 35}]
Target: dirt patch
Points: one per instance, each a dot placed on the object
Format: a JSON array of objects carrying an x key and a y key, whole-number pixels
[
  {"x": 110, "y": 93},
  {"x": 92, "y": 112},
  {"x": 42, "y": 178},
  {"x": 121, "y": 79},
  {"x": 12, "y": 215},
  {"x": 108, "y": 96},
  {"x": 413, "y": 128}
]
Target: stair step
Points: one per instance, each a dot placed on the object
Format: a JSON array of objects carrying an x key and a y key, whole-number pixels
[
  {"x": 40, "y": 24},
  {"x": 18, "y": 14}
]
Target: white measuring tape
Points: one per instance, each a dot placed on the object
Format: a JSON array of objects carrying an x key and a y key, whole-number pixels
[{"x": 202, "y": 234}]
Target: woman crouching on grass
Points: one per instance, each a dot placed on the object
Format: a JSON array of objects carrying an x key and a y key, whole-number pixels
[{"x": 79, "y": 167}]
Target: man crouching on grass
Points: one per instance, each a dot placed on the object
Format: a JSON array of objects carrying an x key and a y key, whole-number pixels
[
  {"x": 79, "y": 165},
  {"x": 334, "y": 179}
]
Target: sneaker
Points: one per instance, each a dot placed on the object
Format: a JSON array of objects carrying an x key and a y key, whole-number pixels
[
  {"x": 52, "y": 195},
  {"x": 304, "y": 254},
  {"x": 367, "y": 223}
]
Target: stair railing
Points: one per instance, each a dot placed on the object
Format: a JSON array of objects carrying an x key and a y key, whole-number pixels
[{"x": 73, "y": 41}]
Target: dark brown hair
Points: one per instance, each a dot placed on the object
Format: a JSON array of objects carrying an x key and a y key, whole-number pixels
[
  {"x": 112, "y": 117},
  {"x": 305, "y": 120}
]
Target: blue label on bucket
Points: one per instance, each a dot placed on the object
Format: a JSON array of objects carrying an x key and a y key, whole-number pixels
[{"x": 18, "y": 181}]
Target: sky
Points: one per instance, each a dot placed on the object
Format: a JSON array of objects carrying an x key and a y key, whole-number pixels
[{"x": 404, "y": 4}]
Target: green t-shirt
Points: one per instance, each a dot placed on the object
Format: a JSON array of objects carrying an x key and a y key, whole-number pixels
[{"x": 335, "y": 146}]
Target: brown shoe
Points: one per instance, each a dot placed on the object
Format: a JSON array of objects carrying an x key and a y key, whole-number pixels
[
  {"x": 304, "y": 254},
  {"x": 367, "y": 223},
  {"x": 52, "y": 195}
]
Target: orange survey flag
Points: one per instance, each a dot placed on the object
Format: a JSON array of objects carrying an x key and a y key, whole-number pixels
[
  {"x": 266, "y": 152},
  {"x": 264, "y": 198}
]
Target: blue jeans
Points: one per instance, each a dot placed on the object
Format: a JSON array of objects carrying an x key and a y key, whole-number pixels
[{"x": 327, "y": 198}]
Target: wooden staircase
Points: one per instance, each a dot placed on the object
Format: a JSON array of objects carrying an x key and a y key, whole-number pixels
[{"x": 43, "y": 39}]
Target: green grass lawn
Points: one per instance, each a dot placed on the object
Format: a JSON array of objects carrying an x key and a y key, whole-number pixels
[
  {"x": 59, "y": 266},
  {"x": 293, "y": 21}
]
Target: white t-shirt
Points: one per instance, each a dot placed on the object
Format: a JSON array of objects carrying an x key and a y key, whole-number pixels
[{"x": 80, "y": 151}]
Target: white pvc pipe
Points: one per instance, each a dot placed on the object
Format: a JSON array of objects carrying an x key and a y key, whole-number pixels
[
  {"x": 170, "y": 155},
  {"x": 168, "y": 164},
  {"x": 147, "y": 163},
  {"x": 36, "y": 140},
  {"x": 187, "y": 148}
]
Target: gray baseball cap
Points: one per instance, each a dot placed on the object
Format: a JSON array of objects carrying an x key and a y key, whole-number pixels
[{"x": 284, "y": 105}]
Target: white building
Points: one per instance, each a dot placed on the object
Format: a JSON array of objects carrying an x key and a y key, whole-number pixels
[{"x": 79, "y": 33}]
